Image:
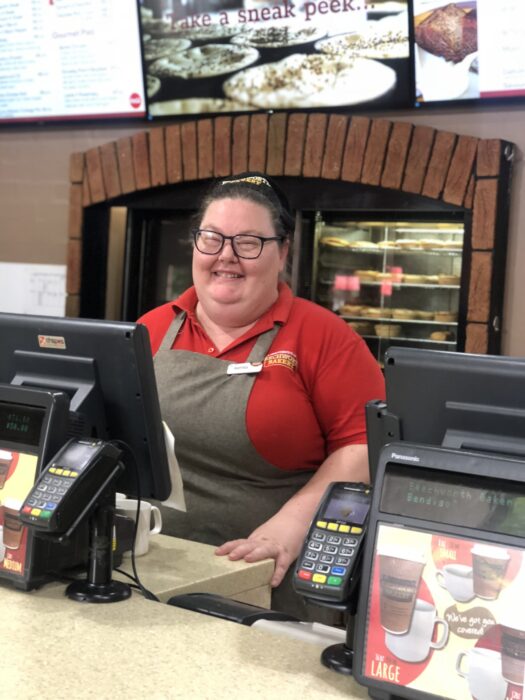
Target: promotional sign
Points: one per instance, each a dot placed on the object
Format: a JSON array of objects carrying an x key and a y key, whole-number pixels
[
  {"x": 17, "y": 476},
  {"x": 469, "y": 49},
  {"x": 445, "y": 616},
  {"x": 70, "y": 59},
  {"x": 242, "y": 55}
]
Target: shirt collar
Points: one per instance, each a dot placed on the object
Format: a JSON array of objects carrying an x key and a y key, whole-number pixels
[{"x": 277, "y": 313}]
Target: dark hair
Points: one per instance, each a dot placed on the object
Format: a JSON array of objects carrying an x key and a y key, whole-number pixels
[{"x": 254, "y": 187}]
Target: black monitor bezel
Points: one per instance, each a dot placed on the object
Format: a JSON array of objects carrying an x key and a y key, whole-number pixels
[
  {"x": 450, "y": 399},
  {"x": 125, "y": 376}
]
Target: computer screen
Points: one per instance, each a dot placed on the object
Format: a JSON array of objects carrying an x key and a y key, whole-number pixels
[
  {"x": 468, "y": 51},
  {"x": 70, "y": 61},
  {"x": 450, "y": 399},
  {"x": 259, "y": 55},
  {"x": 106, "y": 368}
]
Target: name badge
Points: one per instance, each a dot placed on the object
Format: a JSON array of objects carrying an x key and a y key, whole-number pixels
[{"x": 245, "y": 368}]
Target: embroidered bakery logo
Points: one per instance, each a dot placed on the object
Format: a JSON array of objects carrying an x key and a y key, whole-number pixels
[{"x": 284, "y": 358}]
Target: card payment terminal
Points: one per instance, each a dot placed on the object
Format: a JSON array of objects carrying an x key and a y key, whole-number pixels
[
  {"x": 327, "y": 566},
  {"x": 33, "y": 426}
]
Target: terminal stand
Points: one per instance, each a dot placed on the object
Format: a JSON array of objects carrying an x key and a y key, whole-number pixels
[
  {"x": 83, "y": 474},
  {"x": 99, "y": 587},
  {"x": 339, "y": 657}
]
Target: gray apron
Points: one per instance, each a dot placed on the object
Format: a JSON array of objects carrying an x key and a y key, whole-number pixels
[{"x": 230, "y": 489}]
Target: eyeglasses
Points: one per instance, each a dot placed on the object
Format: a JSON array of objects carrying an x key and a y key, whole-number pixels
[{"x": 245, "y": 245}]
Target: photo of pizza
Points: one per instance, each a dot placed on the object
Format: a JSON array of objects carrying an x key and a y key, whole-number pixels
[
  {"x": 314, "y": 80},
  {"x": 278, "y": 36},
  {"x": 386, "y": 38},
  {"x": 159, "y": 48},
  {"x": 204, "y": 61}
]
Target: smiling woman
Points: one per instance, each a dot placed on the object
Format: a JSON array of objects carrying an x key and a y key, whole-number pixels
[
  {"x": 234, "y": 290},
  {"x": 258, "y": 447}
]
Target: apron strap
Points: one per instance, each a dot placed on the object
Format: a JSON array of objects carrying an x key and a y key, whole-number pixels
[
  {"x": 171, "y": 333},
  {"x": 257, "y": 354}
]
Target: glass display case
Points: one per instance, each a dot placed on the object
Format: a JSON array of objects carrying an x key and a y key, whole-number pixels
[{"x": 395, "y": 282}]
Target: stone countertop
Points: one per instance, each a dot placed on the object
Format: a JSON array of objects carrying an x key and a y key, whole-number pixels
[
  {"x": 52, "y": 647},
  {"x": 173, "y": 566}
]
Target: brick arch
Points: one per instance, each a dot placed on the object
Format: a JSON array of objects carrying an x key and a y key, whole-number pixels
[{"x": 459, "y": 170}]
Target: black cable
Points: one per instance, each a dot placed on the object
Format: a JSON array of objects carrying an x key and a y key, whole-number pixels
[{"x": 149, "y": 595}]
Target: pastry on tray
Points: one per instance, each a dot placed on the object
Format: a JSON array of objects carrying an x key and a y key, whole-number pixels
[
  {"x": 441, "y": 335},
  {"x": 405, "y": 314},
  {"x": 362, "y": 327},
  {"x": 351, "y": 309},
  {"x": 425, "y": 315},
  {"x": 446, "y": 316},
  {"x": 448, "y": 279},
  {"x": 387, "y": 330},
  {"x": 334, "y": 242},
  {"x": 376, "y": 312}
]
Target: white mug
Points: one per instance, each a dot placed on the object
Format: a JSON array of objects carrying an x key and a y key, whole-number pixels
[
  {"x": 128, "y": 507},
  {"x": 415, "y": 645},
  {"x": 485, "y": 681},
  {"x": 458, "y": 580}
]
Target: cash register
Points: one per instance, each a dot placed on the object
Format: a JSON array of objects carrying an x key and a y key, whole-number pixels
[
  {"x": 440, "y": 611},
  {"x": 79, "y": 420}
]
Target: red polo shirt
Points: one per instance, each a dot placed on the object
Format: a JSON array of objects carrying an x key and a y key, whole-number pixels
[{"x": 318, "y": 374}]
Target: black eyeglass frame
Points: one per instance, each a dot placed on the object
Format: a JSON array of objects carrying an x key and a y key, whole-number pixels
[{"x": 261, "y": 239}]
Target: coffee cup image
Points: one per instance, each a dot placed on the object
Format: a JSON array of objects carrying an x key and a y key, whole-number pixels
[
  {"x": 458, "y": 580},
  {"x": 13, "y": 526},
  {"x": 400, "y": 570},
  {"x": 513, "y": 644},
  {"x": 415, "y": 645},
  {"x": 145, "y": 529},
  {"x": 489, "y": 565},
  {"x": 2, "y": 546},
  {"x": 482, "y": 669},
  {"x": 6, "y": 459}
]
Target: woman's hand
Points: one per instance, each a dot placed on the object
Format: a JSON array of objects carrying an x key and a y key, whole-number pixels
[
  {"x": 279, "y": 538},
  {"x": 282, "y": 536}
]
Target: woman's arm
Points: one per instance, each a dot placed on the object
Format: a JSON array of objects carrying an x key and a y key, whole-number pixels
[{"x": 282, "y": 536}]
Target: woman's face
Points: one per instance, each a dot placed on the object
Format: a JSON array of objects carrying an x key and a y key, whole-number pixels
[{"x": 233, "y": 288}]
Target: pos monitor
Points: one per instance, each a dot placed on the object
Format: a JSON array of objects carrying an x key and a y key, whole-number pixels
[
  {"x": 106, "y": 369},
  {"x": 449, "y": 399},
  {"x": 102, "y": 372}
]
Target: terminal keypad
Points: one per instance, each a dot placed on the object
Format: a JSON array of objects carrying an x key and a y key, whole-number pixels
[{"x": 329, "y": 552}]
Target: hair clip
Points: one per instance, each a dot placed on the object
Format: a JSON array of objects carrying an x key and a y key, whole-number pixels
[{"x": 252, "y": 179}]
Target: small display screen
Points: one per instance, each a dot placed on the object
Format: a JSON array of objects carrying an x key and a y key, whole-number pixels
[
  {"x": 78, "y": 455},
  {"x": 348, "y": 506},
  {"x": 465, "y": 500},
  {"x": 21, "y": 424}
]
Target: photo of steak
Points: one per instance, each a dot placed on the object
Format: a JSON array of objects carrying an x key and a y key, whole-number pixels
[{"x": 449, "y": 32}]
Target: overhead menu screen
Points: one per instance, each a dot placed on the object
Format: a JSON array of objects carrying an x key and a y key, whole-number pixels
[
  {"x": 70, "y": 59},
  {"x": 470, "y": 49},
  {"x": 248, "y": 55}
]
